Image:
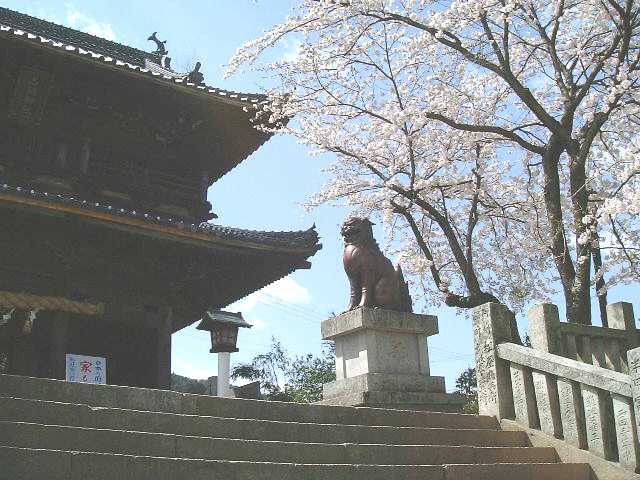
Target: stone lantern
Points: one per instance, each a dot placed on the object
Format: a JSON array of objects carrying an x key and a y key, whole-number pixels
[{"x": 223, "y": 327}]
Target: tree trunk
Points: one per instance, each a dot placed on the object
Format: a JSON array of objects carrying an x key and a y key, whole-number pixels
[
  {"x": 553, "y": 206},
  {"x": 600, "y": 284},
  {"x": 579, "y": 310},
  {"x": 581, "y": 299},
  {"x": 469, "y": 301}
]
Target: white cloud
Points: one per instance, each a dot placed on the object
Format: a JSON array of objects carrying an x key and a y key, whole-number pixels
[
  {"x": 288, "y": 290},
  {"x": 285, "y": 290},
  {"x": 187, "y": 369},
  {"x": 80, "y": 21},
  {"x": 257, "y": 322}
]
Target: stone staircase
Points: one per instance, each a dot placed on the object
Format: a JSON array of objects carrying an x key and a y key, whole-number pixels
[{"x": 53, "y": 430}]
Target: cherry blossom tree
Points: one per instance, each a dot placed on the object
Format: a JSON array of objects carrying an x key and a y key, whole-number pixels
[{"x": 496, "y": 138}]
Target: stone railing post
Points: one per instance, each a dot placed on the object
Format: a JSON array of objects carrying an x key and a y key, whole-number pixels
[
  {"x": 544, "y": 328},
  {"x": 544, "y": 331},
  {"x": 492, "y": 326},
  {"x": 634, "y": 371},
  {"x": 620, "y": 316}
]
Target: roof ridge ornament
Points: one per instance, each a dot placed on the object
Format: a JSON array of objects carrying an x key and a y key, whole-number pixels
[
  {"x": 195, "y": 75},
  {"x": 161, "y": 48},
  {"x": 162, "y": 60},
  {"x": 161, "y": 51}
]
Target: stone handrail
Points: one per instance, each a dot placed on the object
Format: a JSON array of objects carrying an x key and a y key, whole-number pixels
[
  {"x": 587, "y": 406},
  {"x": 599, "y": 346},
  {"x": 614, "y": 382}
]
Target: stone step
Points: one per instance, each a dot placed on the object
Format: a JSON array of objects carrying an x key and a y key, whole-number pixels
[
  {"x": 174, "y": 402},
  {"x": 28, "y": 464},
  {"x": 57, "y": 413},
  {"x": 50, "y": 437}
]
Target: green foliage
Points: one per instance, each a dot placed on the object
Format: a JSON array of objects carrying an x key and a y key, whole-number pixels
[
  {"x": 467, "y": 384},
  {"x": 270, "y": 369},
  {"x": 289, "y": 380},
  {"x": 187, "y": 385},
  {"x": 471, "y": 406},
  {"x": 307, "y": 374}
]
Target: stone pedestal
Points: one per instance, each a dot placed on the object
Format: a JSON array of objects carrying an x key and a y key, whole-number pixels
[{"x": 382, "y": 360}]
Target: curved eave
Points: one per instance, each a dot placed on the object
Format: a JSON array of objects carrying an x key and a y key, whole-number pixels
[
  {"x": 226, "y": 96},
  {"x": 229, "y": 99},
  {"x": 166, "y": 232}
]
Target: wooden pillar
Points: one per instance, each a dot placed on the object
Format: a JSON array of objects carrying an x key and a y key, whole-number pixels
[
  {"x": 163, "y": 348},
  {"x": 22, "y": 359},
  {"x": 58, "y": 333},
  {"x": 35, "y": 344},
  {"x": 5, "y": 342}
]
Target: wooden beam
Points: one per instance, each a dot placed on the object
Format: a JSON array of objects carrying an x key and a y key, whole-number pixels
[{"x": 28, "y": 302}]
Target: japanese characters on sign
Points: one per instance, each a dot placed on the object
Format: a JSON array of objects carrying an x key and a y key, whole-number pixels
[{"x": 86, "y": 369}]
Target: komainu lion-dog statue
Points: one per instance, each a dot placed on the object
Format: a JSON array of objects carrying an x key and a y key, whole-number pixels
[{"x": 373, "y": 280}]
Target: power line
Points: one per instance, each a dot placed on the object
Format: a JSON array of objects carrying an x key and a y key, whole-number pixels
[
  {"x": 287, "y": 311},
  {"x": 300, "y": 308},
  {"x": 309, "y": 314}
]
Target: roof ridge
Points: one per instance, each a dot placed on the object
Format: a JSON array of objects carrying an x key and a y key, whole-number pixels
[
  {"x": 23, "y": 17},
  {"x": 248, "y": 230},
  {"x": 121, "y": 55},
  {"x": 299, "y": 239}
]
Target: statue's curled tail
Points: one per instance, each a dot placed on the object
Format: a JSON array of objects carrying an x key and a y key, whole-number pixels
[{"x": 405, "y": 303}]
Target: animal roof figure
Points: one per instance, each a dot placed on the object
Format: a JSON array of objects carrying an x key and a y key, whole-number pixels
[{"x": 160, "y": 44}]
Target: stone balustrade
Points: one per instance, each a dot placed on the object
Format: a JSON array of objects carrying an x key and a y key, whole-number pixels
[
  {"x": 589, "y": 405},
  {"x": 602, "y": 347}
]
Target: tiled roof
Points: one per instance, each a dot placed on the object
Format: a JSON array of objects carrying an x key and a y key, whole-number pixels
[
  {"x": 306, "y": 240},
  {"x": 69, "y": 36},
  {"x": 98, "y": 49}
]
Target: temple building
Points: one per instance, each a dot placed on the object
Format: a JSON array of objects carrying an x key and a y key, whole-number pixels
[{"x": 106, "y": 248}]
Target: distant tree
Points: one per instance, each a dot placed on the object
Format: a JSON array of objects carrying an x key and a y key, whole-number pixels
[
  {"x": 269, "y": 368},
  {"x": 307, "y": 375},
  {"x": 467, "y": 384},
  {"x": 186, "y": 385},
  {"x": 285, "y": 379}
]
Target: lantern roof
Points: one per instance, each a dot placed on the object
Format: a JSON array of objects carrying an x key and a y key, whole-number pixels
[{"x": 221, "y": 316}]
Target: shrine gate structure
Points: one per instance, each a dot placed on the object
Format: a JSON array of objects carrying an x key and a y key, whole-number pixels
[{"x": 106, "y": 249}]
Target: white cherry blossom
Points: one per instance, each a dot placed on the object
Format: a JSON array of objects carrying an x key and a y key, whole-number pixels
[{"x": 496, "y": 139}]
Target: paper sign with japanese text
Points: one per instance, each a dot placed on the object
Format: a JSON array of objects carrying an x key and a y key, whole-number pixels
[{"x": 85, "y": 369}]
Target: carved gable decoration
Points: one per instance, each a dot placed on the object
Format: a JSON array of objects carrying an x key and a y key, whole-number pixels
[
  {"x": 29, "y": 97},
  {"x": 173, "y": 130}
]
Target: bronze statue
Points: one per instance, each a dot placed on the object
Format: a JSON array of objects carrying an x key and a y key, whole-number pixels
[{"x": 374, "y": 282}]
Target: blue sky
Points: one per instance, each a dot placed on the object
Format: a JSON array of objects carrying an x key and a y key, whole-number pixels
[{"x": 266, "y": 190}]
